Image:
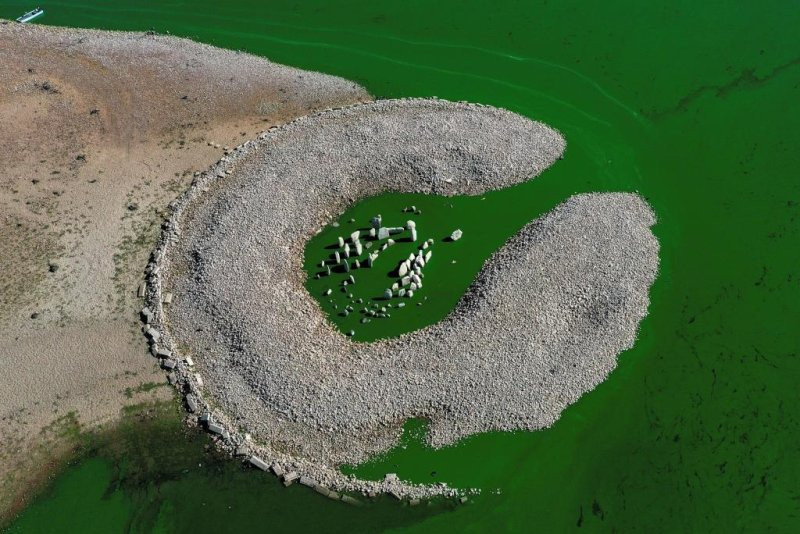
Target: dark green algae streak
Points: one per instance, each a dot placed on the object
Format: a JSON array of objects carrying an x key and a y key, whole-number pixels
[{"x": 690, "y": 104}]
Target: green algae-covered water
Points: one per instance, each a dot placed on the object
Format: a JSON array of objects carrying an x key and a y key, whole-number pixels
[{"x": 690, "y": 104}]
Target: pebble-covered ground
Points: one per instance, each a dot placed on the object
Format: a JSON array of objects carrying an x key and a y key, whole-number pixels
[{"x": 542, "y": 323}]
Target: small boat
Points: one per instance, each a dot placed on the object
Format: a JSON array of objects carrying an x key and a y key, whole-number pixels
[{"x": 30, "y": 15}]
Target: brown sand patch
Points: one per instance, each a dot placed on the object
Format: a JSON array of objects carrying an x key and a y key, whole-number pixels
[{"x": 107, "y": 129}]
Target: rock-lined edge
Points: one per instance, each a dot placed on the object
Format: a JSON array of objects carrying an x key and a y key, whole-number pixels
[
  {"x": 190, "y": 384},
  {"x": 315, "y": 474}
]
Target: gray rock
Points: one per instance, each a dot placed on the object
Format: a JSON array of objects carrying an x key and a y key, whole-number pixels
[{"x": 259, "y": 463}]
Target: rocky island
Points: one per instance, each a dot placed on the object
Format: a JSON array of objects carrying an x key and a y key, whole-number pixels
[{"x": 261, "y": 367}]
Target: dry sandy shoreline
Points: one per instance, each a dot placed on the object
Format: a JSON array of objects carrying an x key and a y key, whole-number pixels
[
  {"x": 101, "y": 131},
  {"x": 542, "y": 324}
]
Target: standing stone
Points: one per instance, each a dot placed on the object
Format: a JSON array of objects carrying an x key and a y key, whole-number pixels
[
  {"x": 352, "y": 279},
  {"x": 376, "y": 221},
  {"x": 412, "y": 287},
  {"x": 372, "y": 232},
  {"x": 359, "y": 248},
  {"x": 387, "y": 294},
  {"x": 413, "y": 234},
  {"x": 428, "y": 256},
  {"x": 346, "y": 250},
  {"x": 340, "y": 241},
  {"x": 403, "y": 270},
  {"x": 356, "y": 264},
  {"x": 346, "y": 266},
  {"x": 456, "y": 235},
  {"x": 405, "y": 281},
  {"x": 411, "y": 225},
  {"x": 383, "y": 232},
  {"x": 328, "y": 292},
  {"x": 337, "y": 257},
  {"x": 354, "y": 236},
  {"x": 328, "y": 270}
]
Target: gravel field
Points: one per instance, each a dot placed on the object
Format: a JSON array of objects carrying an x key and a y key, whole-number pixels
[{"x": 543, "y": 322}]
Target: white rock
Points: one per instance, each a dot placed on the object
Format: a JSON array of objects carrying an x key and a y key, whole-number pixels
[
  {"x": 456, "y": 235},
  {"x": 403, "y": 270},
  {"x": 383, "y": 232},
  {"x": 354, "y": 236},
  {"x": 411, "y": 225},
  {"x": 340, "y": 241},
  {"x": 413, "y": 234}
]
